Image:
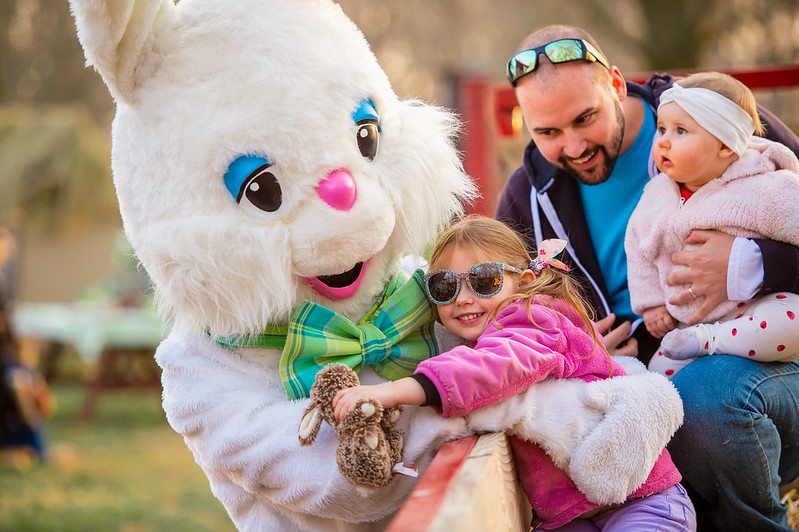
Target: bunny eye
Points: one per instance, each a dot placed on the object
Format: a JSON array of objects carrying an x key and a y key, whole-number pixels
[
  {"x": 253, "y": 185},
  {"x": 367, "y": 138},
  {"x": 368, "y": 132},
  {"x": 261, "y": 190}
]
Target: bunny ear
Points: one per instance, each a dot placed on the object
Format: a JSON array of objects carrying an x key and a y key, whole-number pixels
[{"x": 117, "y": 37}]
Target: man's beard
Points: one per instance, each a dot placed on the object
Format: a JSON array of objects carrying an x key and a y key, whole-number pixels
[{"x": 601, "y": 173}]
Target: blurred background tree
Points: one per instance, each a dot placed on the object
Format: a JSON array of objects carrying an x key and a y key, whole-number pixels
[
  {"x": 685, "y": 34},
  {"x": 41, "y": 60},
  {"x": 53, "y": 147},
  {"x": 421, "y": 43},
  {"x": 55, "y": 113}
]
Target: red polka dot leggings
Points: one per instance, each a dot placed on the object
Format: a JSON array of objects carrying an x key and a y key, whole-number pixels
[{"x": 765, "y": 329}]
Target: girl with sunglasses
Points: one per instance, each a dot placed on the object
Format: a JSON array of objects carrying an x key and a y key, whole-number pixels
[{"x": 523, "y": 321}]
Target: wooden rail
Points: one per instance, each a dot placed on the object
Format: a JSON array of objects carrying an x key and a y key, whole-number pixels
[
  {"x": 768, "y": 77},
  {"x": 470, "y": 486}
]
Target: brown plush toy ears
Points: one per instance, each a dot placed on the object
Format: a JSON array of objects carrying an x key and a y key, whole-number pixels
[
  {"x": 364, "y": 455},
  {"x": 329, "y": 381},
  {"x": 368, "y": 444},
  {"x": 309, "y": 425}
]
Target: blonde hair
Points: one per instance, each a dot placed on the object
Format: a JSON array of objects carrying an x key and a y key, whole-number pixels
[
  {"x": 492, "y": 240},
  {"x": 730, "y": 88}
]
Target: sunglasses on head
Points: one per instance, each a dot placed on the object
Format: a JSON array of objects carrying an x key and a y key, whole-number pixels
[
  {"x": 560, "y": 51},
  {"x": 484, "y": 279}
]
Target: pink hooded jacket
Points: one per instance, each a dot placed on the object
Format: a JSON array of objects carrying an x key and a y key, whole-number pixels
[
  {"x": 510, "y": 356},
  {"x": 756, "y": 197}
]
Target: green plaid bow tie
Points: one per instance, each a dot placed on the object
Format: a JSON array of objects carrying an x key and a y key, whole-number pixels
[{"x": 394, "y": 336}]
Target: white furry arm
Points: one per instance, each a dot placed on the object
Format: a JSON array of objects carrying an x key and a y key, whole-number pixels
[
  {"x": 551, "y": 414},
  {"x": 233, "y": 413},
  {"x": 607, "y": 435}
]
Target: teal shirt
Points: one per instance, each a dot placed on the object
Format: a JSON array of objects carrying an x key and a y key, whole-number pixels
[{"x": 608, "y": 207}]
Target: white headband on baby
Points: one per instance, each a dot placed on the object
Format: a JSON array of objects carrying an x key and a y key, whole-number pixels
[{"x": 720, "y": 116}]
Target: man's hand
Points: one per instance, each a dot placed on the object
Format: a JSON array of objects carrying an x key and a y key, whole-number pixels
[
  {"x": 617, "y": 341},
  {"x": 658, "y": 321},
  {"x": 705, "y": 271}
]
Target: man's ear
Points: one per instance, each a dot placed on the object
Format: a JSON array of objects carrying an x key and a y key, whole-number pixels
[
  {"x": 618, "y": 83},
  {"x": 527, "y": 278}
]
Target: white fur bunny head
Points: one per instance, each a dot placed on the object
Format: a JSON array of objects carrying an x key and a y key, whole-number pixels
[{"x": 261, "y": 157}]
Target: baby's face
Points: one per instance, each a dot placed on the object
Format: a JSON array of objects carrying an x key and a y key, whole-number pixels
[
  {"x": 469, "y": 314},
  {"x": 685, "y": 151}
]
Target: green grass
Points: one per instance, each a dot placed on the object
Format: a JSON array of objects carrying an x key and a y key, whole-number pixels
[{"x": 126, "y": 470}]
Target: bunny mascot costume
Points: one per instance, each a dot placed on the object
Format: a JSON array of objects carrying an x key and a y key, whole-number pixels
[{"x": 264, "y": 167}]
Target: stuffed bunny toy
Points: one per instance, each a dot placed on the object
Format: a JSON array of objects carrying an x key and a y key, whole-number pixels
[
  {"x": 271, "y": 183},
  {"x": 369, "y": 446}
]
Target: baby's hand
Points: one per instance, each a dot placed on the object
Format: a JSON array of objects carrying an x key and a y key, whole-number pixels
[{"x": 658, "y": 321}]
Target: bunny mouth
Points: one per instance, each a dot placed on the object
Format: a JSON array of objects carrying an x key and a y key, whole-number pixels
[{"x": 338, "y": 286}]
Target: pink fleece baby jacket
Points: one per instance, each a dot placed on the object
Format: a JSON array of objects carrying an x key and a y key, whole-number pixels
[{"x": 757, "y": 197}]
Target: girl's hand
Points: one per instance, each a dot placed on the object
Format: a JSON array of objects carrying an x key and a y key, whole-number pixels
[
  {"x": 405, "y": 391},
  {"x": 345, "y": 399},
  {"x": 658, "y": 321}
]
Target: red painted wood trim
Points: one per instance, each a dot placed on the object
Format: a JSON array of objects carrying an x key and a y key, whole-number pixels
[
  {"x": 771, "y": 77},
  {"x": 504, "y": 102},
  {"x": 422, "y": 506}
]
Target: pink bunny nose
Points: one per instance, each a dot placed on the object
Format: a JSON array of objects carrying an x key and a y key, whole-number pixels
[{"x": 338, "y": 190}]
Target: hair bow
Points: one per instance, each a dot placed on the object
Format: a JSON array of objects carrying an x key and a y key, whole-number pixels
[{"x": 547, "y": 251}]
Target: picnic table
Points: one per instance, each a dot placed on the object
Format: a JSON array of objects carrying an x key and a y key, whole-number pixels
[{"x": 110, "y": 340}]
